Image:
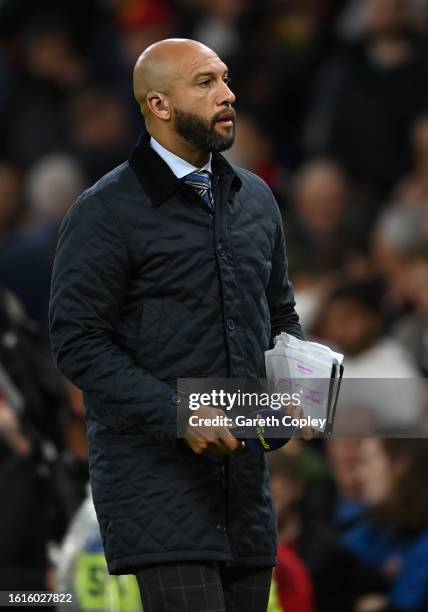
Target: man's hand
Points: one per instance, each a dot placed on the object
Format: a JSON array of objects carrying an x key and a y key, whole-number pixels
[
  {"x": 210, "y": 440},
  {"x": 297, "y": 413}
]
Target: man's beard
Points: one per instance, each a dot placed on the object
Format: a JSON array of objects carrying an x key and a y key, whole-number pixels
[{"x": 201, "y": 133}]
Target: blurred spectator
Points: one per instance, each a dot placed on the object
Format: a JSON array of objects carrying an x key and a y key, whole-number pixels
[
  {"x": 375, "y": 92},
  {"x": 344, "y": 462},
  {"x": 141, "y": 23},
  {"x": 79, "y": 17},
  {"x": 393, "y": 536},
  {"x": 33, "y": 121},
  {"x": 295, "y": 591},
  {"x": 131, "y": 26},
  {"x": 52, "y": 185},
  {"x": 297, "y": 41},
  {"x": 327, "y": 229},
  {"x": 26, "y": 261},
  {"x": 310, "y": 287},
  {"x": 218, "y": 27},
  {"x": 419, "y": 13},
  {"x": 41, "y": 494},
  {"x": 335, "y": 575},
  {"x": 308, "y": 461},
  {"x": 352, "y": 320},
  {"x": 11, "y": 199},
  {"x": 397, "y": 232},
  {"x": 412, "y": 331},
  {"x": 253, "y": 150},
  {"x": 352, "y": 19},
  {"x": 294, "y": 585},
  {"x": 23, "y": 558},
  {"x": 98, "y": 131},
  {"x": 413, "y": 189},
  {"x": 82, "y": 569}
]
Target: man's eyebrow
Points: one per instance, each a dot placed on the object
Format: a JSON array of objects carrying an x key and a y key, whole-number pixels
[{"x": 210, "y": 73}]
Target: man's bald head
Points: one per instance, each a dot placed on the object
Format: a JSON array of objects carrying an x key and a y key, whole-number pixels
[{"x": 163, "y": 63}]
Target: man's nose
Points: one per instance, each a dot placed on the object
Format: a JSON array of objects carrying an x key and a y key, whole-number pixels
[{"x": 226, "y": 95}]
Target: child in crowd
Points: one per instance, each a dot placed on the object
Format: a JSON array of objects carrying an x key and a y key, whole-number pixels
[{"x": 392, "y": 537}]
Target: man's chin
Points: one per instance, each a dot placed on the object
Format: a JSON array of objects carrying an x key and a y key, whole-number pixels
[{"x": 227, "y": 136}]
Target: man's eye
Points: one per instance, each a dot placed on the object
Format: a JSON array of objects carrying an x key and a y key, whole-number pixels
[
  {"x": 227, "y": 80},
  {"x": 204, "y": 83}
]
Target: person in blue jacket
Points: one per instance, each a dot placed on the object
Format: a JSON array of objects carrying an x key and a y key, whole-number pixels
[{"x": 392, "y": 538}]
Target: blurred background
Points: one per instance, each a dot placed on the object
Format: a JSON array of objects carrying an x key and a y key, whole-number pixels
[{"x": 332, "y": 101}]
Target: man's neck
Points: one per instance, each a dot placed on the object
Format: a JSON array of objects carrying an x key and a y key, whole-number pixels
[
  {"x": 179, "y": 166},
  {"x": 180, "y": 147}
]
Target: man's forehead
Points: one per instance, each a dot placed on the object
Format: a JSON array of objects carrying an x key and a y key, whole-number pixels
[{"x": 200, "y": 63}]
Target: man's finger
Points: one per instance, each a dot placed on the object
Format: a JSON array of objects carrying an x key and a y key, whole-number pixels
[
  {"x": 231, "y": 442},
  {"x": 309, "y": 433}
]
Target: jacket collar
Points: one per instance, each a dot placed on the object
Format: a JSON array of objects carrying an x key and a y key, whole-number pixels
[{"x": 156, "y": 177}]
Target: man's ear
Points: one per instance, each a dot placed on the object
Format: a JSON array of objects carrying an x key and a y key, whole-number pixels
[{"x": 158, "y": 104}]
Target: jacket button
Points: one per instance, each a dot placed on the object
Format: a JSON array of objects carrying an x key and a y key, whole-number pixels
[
  {"x": 221, "y": 528},
  {"x": 230, "y": 324},
  {"x": 221, "y": 250},
  {"x": 175, "y": 399}
]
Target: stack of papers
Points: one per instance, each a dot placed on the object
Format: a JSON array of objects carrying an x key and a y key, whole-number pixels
[{"x": 310, "y": 369}]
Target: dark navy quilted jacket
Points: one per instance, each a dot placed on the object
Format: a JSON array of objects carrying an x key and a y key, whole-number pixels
[{"x": 148, "y": 287}]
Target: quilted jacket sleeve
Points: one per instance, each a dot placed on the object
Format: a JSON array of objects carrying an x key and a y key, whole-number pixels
[
  {"x": 280, "y": 294},
  {"x": 90, "y": 279}
]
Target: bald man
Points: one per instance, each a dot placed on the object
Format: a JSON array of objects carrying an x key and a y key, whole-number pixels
[{"x": 173, "y": 265}]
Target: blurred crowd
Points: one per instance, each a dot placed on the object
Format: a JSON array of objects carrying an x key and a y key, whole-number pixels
[{"x": 332, "y": 103}]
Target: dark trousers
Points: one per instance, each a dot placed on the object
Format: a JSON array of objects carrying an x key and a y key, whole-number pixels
[{"x": 204, "y": 587}]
